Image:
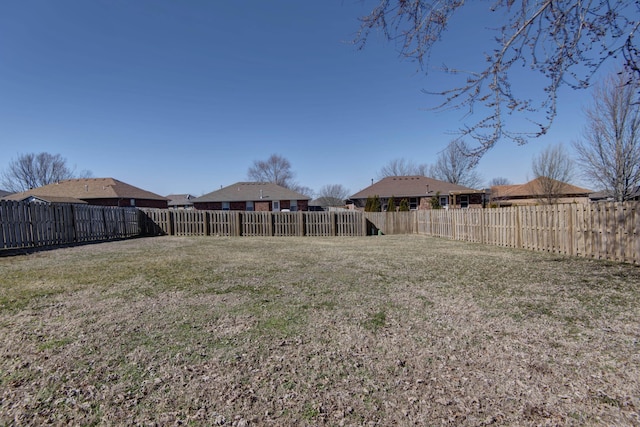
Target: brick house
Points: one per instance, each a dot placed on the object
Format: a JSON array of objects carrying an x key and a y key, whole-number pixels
[
  {"x": 253, "y": 196},
  {"x": 419, "y": 192},
  {"x": 97, "y": 191}
]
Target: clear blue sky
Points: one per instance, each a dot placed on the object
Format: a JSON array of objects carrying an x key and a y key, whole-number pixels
[{"x": 183, "y": 96}]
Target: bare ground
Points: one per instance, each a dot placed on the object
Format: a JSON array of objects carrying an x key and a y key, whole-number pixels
[{"x": 385, "y": 330}]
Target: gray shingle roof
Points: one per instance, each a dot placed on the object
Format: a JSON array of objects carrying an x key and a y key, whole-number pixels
[
  {"x": 180, "y": 199},
  {"x": 90, "y": 188},
  {"x": 535, "y": 188},
  {"x": 251, "y": 191},
  {"x": 409, "y": 186}
]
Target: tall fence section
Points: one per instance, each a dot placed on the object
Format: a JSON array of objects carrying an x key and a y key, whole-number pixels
[
  {"x": 598, "y": 230},
  {"x": 242, "y": 223},
  {"x": 31, "y": 225}
]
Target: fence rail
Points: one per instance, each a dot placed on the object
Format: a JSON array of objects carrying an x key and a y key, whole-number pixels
[
  {"x": 242, "y": 223},
  {"x": 33, "y": 225},
  {"x": 608, "y": 231}
]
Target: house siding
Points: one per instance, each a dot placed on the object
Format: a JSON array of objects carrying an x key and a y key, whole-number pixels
[{"x": 258, "y": 206}]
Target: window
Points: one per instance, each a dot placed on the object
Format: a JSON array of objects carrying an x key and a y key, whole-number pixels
[
  {"x": 249, "y": 206},
  {"x": 293, "y": 205},
  {"x": 225, "y": 206},
  {"x": 444, "y": 201},
  {"x": 276, "y": 205},
  {"x": 133, "y": 202},
  {"x": 464, "y": 201},
  {"x": 413, "y": 203}
]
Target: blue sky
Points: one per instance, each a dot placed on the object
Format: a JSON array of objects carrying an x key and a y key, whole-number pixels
[{"x": 183, "y": 96}]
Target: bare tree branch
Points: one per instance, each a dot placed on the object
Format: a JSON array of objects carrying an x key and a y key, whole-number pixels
[
  {"x": 553, "y": 168},
  {"x": 609, "y": 151},
  {"x": 566, "y": 41},
  {"x": 454, "y": 165},
  {"x": 402, "y": 167},
  {"x": 33, "y": 170},
  {"x": 276, "y": 169},
  {"x": 332, "y": 195}
]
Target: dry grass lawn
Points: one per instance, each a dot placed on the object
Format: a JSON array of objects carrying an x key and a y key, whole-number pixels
[{"x": 385, "y": 330}]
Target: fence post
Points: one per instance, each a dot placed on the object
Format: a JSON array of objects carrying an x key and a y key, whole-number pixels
[
  {"x": 333, "y": 219},
  {"x": 300, "y": 223}
]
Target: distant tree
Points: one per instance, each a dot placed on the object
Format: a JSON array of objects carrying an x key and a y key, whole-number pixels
[
  {"x": 499, "y": 181},
  {"x": 553, "y": 168},
  {"x": 609, "y": 152},
  {"x": 276, "y": 169},
  {"x": 33, "y": 170},
  {"x": 455, "y": 165},
  {"x": 332, "y": 195},
  {"x": 305, "y": 191},
  {"x": 565, "y": 41},
  {"x": 391, "y": 205},
  {"x": 404, "y": 206},
  {"x": 402, "y": 167}
]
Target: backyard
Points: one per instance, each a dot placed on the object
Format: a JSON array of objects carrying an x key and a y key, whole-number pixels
[{"x": 384, "y": 330}]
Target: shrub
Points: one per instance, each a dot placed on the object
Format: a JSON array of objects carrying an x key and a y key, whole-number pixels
[
  {"x": 391, "y": 206},
  {"x": 435, "y": 201}
]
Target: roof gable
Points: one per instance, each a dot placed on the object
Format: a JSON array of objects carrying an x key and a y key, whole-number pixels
[
  {"x": 535, "y": 188},
  {"x": 92, "y": 188},
  {"x": 251, "y": 191},
  {"x": 409, "y": 186}
]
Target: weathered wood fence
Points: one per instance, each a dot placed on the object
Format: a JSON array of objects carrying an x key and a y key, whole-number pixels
[
  {"x": 32, "y": 225},
  {"x": 241, "y": 223},
  {"x": 597, "y": 230}
]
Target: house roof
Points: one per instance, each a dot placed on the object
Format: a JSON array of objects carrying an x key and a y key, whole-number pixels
[
  {"x": 180, "y": 199},
  {"x": 605, "y": 195},
  {"x": 535, "y": 188},
  {"x": 409, "y": 186},
  {"x": 54, "y": 199},
  {"x": 90, "y": 188},
  {"x": 251, "y": 191},
  {"x": 3, "y": 193}
]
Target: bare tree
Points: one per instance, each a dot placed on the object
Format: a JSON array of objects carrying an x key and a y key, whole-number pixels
[
  {"x": 553, "y": 170},
  {"x": 33, "y": 170},
  {"x": 276, "y": 169},
  {"x": 609, "y": 152},
  {"x": 304, "y": 190},
  {"x": 402, "y": 167},
  {"x": 332, "y": 195},
  {"x": 499, "y": 180},
  {"x": 565, "y": 41},
  {"x": 454, "y": 165}
]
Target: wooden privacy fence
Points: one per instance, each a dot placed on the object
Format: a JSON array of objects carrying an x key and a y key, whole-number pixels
[
  {"x": 242, "y": 223},
  {"x": 596, "y": 230},
  {"x": 33, "y": 225}
]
